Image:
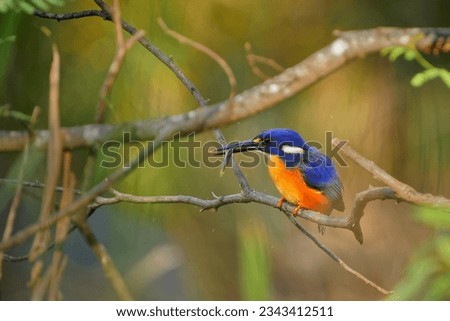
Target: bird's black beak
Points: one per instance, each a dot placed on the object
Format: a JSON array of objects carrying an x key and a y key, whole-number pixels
[
  {"x": 246, "y": 145},
  {"x": 238, "y": 147}
]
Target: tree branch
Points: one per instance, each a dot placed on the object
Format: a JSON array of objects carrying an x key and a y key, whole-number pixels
[
  {"x": 72, "y": 15},
  {"x": 9, "y": 226},
  {"x": 213, "y": 204},
  {"x": 402, "y": 191},
  {"x": 106, "y": 262},
  {"x": 350, "y": 45},
  {"x": 350, "y": 222},
  {"x": 54, "y": 154}
]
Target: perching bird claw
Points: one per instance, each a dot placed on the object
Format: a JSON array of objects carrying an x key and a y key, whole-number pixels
[
  {"x": 295, "y": 212},
  {"x": 280, "y": 202}
]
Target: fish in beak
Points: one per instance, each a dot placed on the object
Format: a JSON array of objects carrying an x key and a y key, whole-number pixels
[
  {"x": 238, "y": 147},
  {"x": 227, "y": 151}
]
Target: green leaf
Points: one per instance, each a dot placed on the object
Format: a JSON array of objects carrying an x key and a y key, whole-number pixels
[
  {"x": 443, "y": 249},
  {"x": 410, "y": 54},
  {"x": 439, "y": 288},
  {"x": 254, "y": 263},
  {"x": 5, "y": 111},
  {"x": 396, "y": 52},
  {"x": 418, "y": 80},
  {"x": 4, "y": 5},
  {"x": 434, "y": 218},
  {"x": 422, "y": 77},
  {"x": 56, "y": 2},
  {"x": 386, "y": 51},
  {"x": 40, "y": 4},
  {"x": 7, "y": 39},
  {"x": 417, "y": 276},
  {"x": 430, "y": 72},
  {"x": 28, "y": 6}
]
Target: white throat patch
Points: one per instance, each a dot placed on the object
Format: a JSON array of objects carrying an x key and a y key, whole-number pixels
[{"x": 292, "y": 149}]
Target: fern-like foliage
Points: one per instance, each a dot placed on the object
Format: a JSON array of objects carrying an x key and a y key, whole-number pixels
[
  {"x": 430, "y": 72},
  {"x": 28, "y": 6}
]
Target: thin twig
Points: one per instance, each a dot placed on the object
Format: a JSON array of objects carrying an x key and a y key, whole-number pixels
[
  {"x": 117, "y": 19},
  {"x": 36, "y": 184},
  {"x": 253, "y": 59},
  {"x": 54, "y": 153},
  {"x": 71, "y": 15},
  {"x": 38, "y": 281},
  {"x": 59, "y": 261},
  {"x": 54, "y": 157},
  {"x": 363, "y": 278},
  {"x": 105, "y": 260},
  {"x": 335, "y": 258},
  {"x": 15, "y": 202},
  {"x": 121, "y": 49},
  {"x": 208, "y": 51},
  {"x": 20, "y": 183}
]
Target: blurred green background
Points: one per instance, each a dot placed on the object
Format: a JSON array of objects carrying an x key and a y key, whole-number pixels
[{"x": 243, "y": 251}]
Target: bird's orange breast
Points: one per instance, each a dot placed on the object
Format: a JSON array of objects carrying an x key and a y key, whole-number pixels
[{"x": 290, "y": 183}]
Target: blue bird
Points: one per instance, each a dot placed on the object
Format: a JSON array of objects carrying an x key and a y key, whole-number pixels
[{"x": 302, "y": 174}]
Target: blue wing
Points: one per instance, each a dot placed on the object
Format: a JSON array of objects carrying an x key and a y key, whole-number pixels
[{"x": 319, "y": 173}]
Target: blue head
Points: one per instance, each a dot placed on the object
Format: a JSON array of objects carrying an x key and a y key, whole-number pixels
[{"x": 282, "y": 142}]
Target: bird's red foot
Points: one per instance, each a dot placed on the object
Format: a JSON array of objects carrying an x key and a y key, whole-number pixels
[
  {"x": 295, "y": 212},
  {"x": 280, "y": 202}
]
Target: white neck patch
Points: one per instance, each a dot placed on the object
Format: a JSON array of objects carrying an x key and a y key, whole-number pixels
[{"x": 292, "y": 149}]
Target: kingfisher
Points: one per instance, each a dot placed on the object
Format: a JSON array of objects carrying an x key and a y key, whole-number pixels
[{"x": 303, "y": 175}]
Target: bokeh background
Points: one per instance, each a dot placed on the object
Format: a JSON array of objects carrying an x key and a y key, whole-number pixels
[{"x": 242, "y": 251}]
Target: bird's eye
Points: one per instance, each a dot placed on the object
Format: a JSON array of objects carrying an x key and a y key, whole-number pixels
[
  {"x": 266, "y": 141},
  {"x": 262, "y": 141}
]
